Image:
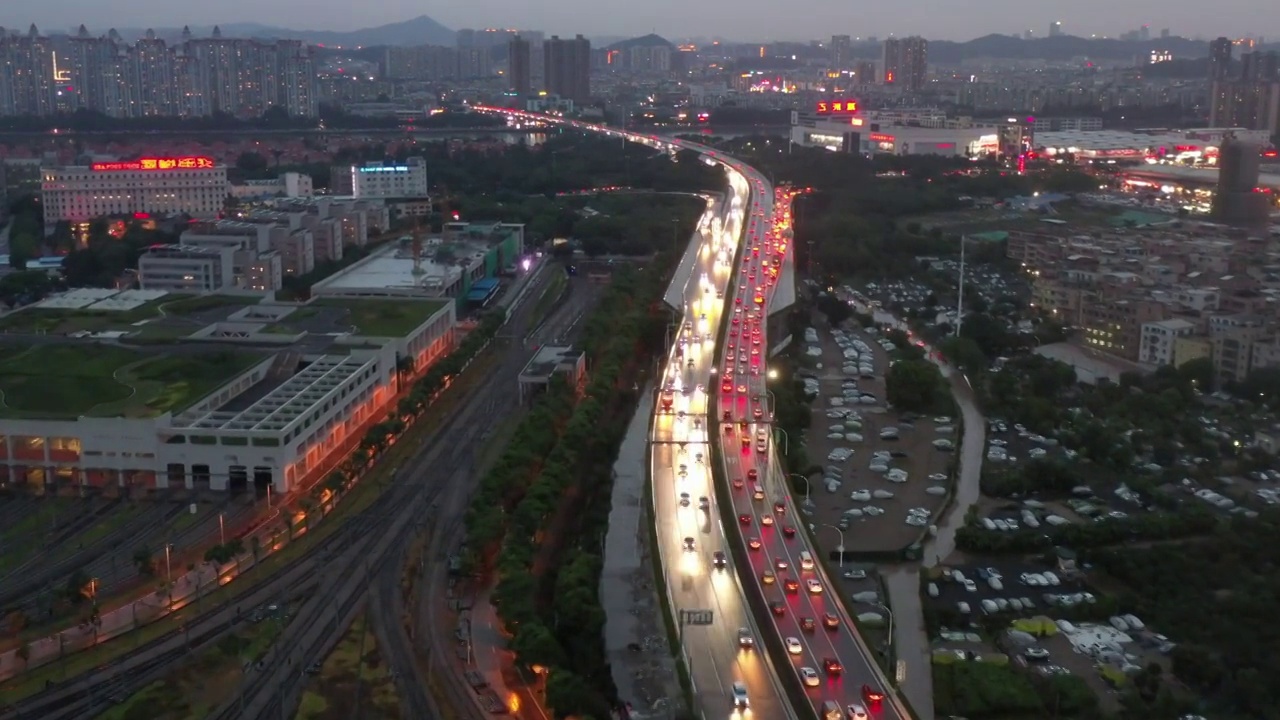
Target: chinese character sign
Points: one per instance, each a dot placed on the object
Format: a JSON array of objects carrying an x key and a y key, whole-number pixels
[
  {"x": 837, "y": 107},
  {"x": 178, "y": 163}
]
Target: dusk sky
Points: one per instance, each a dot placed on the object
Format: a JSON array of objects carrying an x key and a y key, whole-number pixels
[{"x": 732, "y": 19}]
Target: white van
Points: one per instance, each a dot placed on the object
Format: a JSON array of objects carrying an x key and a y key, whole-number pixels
[{"x": 806, "y": 560}]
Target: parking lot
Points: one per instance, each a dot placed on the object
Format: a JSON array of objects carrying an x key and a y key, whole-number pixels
[
  {"x": 1016, "y": 601},
  {"x": 884, "y": 475}
]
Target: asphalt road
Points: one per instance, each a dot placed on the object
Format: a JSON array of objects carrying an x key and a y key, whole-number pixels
[
  {"x": 681, "y": 477},
  {"x": 751, "y": 446}
]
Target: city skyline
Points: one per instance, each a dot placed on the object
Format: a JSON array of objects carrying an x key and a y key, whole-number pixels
[{"x": 1236, "y": 18}]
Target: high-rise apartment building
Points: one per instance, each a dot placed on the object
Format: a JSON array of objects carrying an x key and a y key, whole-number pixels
[
  {"x": 196, "y": 77},
  {"x": 1055, "y": 28},
  {"x": 519, "y": 66},
  {"x": 906, "y": 62},
  {"x": 26, "y": 73},
  {"x": 567, "y": 68},
  {"x": 841, "y": 51},
  {"x": 1219, "y": 59},
  {"x": 421, "y": 62},
  {"x": 1250, "y": 99}
]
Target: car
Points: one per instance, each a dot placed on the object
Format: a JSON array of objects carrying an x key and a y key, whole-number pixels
[
  {"x": 684, "y": 499},
  {"x": 789, "y": 531},
  {"x": 757, "y": 413},
  {"x": 745, "y": 518},
  {"x": 766, "y": 520},
  {"x": 855, "y": 712},
  {"x": 791, "y": 585},
  {"x": 832, "y": 666},
  {"x": 872, "y": 697},
  {"x": 780, "y": 507},
  {"x": 753, "y": 543},
  {"x": 767, "y": 578},
  {"x": 719, "y": 560},
  {"x": 807, "y": 624},
  {"x": 794, "y": 647},
  {"x": 704, "y": 503},
  {"x": 809, "y": 677},
  {"x": 746, "y": 640},
  {"x": 740, "y": 699},
  {"x": 778, "y": 608},
  {"x": 688, "y": 544},
  {"x": 753, "y": 475},
  {"x": 855, "y": 574},
  {"x": 781, "y": 564},
  {"x": 814, "y": 586},
  {"x": 831, "y": 621},
  {"x": 737, "y": 482}
]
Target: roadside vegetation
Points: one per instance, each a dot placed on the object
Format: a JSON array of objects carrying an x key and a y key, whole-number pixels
[{"x": 538, "y": 520}]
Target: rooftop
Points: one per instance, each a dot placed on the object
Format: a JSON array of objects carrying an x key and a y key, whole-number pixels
[{"x": 67, "y": 380}]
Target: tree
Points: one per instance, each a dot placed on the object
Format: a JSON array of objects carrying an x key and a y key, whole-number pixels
[
  {"x": 914, "y": 385},
  {"x": 77, "y": 590},
  {"x": 25, "y": 287},
  {"x": 143, "y": 561}
]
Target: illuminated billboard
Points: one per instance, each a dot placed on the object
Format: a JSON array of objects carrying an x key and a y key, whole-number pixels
[
  {"x": 836, "y": 107},
  {"x": 878, "y": 137},
  {"x": 171, "y": 163}
]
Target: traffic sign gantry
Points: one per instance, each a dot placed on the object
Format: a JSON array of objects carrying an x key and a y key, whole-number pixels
[{"x": 696, "y": 617}]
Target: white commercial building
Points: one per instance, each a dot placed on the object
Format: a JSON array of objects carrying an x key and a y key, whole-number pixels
[
  {"x": 1156, "y": 346},
  {"x": 193, "y": 186},
  {"x": 389, "y": 180},
  {"x": 274, "y": 424},
  {"x": 256, "y": 263},
  {"x": 921, "y": 133},
  {"x": 288, "y": 185}
]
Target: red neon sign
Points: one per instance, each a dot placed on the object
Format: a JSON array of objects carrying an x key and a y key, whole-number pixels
[
  {"x": 178, "y": 163},
  {"x": 837, "y": 107},
  {"x": 878, "y": 137}
]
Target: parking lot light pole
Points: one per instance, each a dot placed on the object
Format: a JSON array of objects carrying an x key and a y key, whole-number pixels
[
  {"x": 805, "y": 478},
  {"x": 840, "y": 547},
  {"x": 885, "y": 608}
]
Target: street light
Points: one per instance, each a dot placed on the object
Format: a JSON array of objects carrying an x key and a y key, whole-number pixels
[
  {"x": 840, "y": 547},
  {"x": 888, "y": 612},
  {"x": 805, "y": 478},
  {"x": 786, "y": 442}
]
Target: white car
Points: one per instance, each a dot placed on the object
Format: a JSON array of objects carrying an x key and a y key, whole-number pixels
[
  {"x": 855, "y": 712},
  {"x": 814, "y": 586},
  {"x": 793, "y": 646},
  {"x": 809, "y": 677},
  {"x": 740, "y": 699}
]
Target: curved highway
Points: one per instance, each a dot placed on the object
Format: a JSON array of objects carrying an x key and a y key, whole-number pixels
[
  {"x": 696, "y": 564},
  {"x": 844, "y": 669}
]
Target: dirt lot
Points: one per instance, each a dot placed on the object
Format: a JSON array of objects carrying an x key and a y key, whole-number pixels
[{"x": 873, "y": 531}]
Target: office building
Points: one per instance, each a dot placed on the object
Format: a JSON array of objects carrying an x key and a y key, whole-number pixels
[
  {"x": 520, "y": 66},
  {"x": 567, "y": 68},
  {"x": 198, "y": 263},
  {"x": 905, "y": 62},
  {"x": 841, "y": 51},
  {"x": 382, "y": 180},
  {"x": 193, "y": 186},
  {"x": 1055, "y": 28}
]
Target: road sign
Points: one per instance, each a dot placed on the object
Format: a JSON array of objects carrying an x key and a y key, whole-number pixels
[{"x": 696, "y": 617}]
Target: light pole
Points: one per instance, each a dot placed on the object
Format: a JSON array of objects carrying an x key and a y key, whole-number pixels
[
  {"x": 786, "y": 442},
  {"x": 222, "y": 530},
  {"x": 885, "y": 608},
  {"x": 168, "y": 573},
  {"x": 805, "y": 478},
  {"x": 840, "y": 547}
]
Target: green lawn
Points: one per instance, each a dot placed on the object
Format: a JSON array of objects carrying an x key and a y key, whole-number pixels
[
  {"x": 384, "y": 318},
  {"x": 194, "y": 304},
  {"x": 36, "y": 320},
  {"x": 90, "y": 379}
]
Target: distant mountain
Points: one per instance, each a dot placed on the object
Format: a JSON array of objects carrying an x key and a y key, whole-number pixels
[
  {"x": 650, "y": 40},
  {"x": 421, "y": 30}
]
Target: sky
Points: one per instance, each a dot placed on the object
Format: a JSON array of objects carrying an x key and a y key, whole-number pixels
[{"x": 746, "y": 20}]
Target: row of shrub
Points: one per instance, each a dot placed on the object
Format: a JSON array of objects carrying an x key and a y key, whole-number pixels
[{"x": 547, "y": 508}]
